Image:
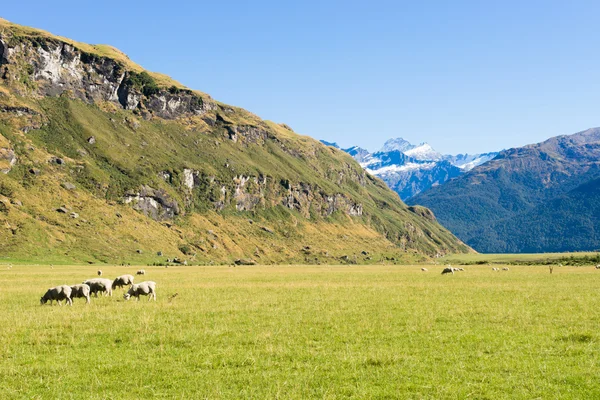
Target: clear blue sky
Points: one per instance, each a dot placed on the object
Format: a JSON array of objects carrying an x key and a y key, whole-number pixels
[{"x": 462, "y": 75}]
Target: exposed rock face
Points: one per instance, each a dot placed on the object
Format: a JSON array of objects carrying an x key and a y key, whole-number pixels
[
  {"x": 7, "y": 159},
  {"x": 423, "y": 212},
  {"x": 3, "y": 59},
  {"x": 153, "y": 203},
  {"x": 128, "y": 97},
  {"x": 188, "y": 178},
  {"x": 251, "y": 192},
  {"x": 58, "y": 67},
  {"x": 171, "y": 106},
  {"x": 250, "y": 134},
  {"x": 248, "y": 192}
]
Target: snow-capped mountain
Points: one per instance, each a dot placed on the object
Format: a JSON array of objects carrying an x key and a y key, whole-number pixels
[
  {"x": 410, "y": 169},
  {"x": 396, "y": 144},
  {"x": 407, "y": 175},
  {"x": 424, "y": 152},
  {"x": 470, "y": 161}
]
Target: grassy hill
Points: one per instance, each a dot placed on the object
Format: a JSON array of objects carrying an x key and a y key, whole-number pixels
[{"x": 105, "y": 162}]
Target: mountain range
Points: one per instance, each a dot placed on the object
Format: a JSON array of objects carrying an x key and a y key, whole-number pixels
[
  {"x": 409, "y": 169},
  {"x": 543, "y": 197},
  {"x": 103, "y": 161}
]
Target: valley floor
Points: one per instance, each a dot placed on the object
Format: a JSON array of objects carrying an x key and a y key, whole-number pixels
[{"x": 305, "y": 332}]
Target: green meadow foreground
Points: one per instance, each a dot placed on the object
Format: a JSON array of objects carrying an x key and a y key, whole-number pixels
[{"x": 305, "y": 332}]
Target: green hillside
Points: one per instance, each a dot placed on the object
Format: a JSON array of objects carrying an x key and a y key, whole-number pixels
[
  {"x": 570, "y": 222},
  {"x": 537, "y": 198},
  {"x": 106, "y": 162}
]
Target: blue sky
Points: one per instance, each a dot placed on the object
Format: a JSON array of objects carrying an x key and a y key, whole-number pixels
[{"x": 465, "y": 76}]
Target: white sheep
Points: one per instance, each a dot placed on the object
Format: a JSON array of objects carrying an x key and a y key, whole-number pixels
[
  {"x": 123, "y": 280},
  {"x": 99, "y": 272},
  {"x": 82, "y": 290},
  {"x": 495, "y": 269},
  {"x": 147, "y": 288},
  {"x": 424, "y": 269},
  {"x": 597, "y": 266},
  {"x": 505, "y": 269},
  {"x": 99, "y": 285},
  {"x": 57, "y": 293},
  {"x": 141, "y": 272}
]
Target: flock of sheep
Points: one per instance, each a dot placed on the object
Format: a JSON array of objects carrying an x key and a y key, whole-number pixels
[
  {"x": 451, "y": 270},
  {"x": 95, "y": 285},
  {"x": 147, "y": 288}
]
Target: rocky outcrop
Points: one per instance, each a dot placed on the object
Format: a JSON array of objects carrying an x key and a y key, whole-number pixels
[
  {"x": 170, "y": 106},
  {"x": 58, "y": 67},
  {"x": 156, "y": 204},
  {"x": 188, "y": 178},
  {"x": 128, "y": 97},
  {"x": 8, "y": 159},
  {"x": 248, "y": 134},
  {"x": 248, "y": 193},
  {"x": 423, "y": 212},
  {"x": 3, "y": 54}
]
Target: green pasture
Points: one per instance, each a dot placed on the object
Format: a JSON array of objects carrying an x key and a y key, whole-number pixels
[{"x": 305, "y": 332}]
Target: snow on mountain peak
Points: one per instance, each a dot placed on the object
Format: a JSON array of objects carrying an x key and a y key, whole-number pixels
[
  {"x": 398, "y": 144},
  {"x": 410, "y": 169},
  {"x": 424, "y": 152}
]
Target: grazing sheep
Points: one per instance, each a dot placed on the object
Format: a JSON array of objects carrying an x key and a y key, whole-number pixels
[
  {"x": 141, "y": 272},
  {"x": 505, "y": 269},
  {"x": 123, "y": 280},
  {"x": 99, "y": 272},
  {"x": 597, "y": 266},
  {"x": 57, "y": 293},
  {"x": 459, "y": 269},
  {"x": 82, "y": 290},
  {"x": 99, "y": 285},
  {"x": 448, "y": 270},
  {"x": 495, "y": 269},
  {"x": 424, "y": 269},
  {"x": 147, "y": 288}
]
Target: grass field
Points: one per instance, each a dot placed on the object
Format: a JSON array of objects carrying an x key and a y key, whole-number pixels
[{"x": 306, "y": 332}]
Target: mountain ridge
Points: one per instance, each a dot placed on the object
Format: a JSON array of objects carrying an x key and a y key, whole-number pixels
[
  {"x": 420, "y": 168},
  {"x": 518, "y": 189}
]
